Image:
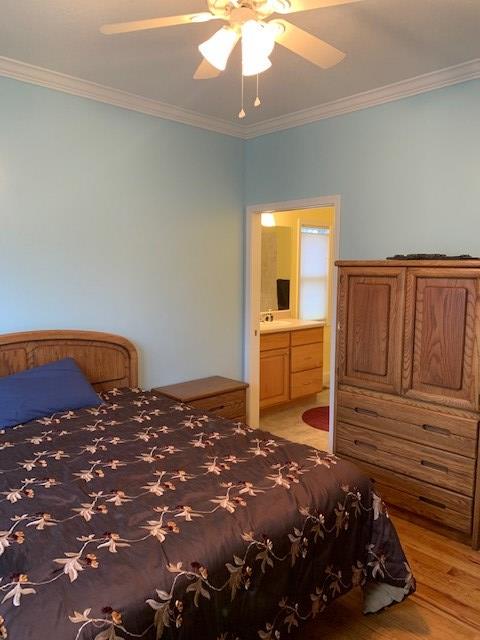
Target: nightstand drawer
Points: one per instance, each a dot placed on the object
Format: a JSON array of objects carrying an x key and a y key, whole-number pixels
[{"x": 226, "y": 405}]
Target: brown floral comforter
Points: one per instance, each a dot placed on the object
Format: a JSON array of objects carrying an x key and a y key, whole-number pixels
[{"x": 146, "y": 519}]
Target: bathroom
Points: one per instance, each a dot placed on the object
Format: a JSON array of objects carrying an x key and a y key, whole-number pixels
[{"x": 295, "y": 322}]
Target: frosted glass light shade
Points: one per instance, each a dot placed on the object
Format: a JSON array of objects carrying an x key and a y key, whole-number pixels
[
  {"x": 217, "y": 49},
  {"x": 258, "y": 41},
  {"x": 268, "y": 219},
  {"x": 252, "y": 67}
]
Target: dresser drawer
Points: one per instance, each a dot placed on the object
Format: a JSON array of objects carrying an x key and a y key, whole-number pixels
[
  {"x": 440, "y": 468},
  {"x": 306, "y": 356},
  {"x": 446, "y": 507},
  {"x": 439, "y": 430},
  {"x": 305, "y": 383},
  {"x": 426, "y": 506},
  {"x": 274, "y": 341},
  {"x": 226, "y": 405},
  {"x": 307, "y": 336}
]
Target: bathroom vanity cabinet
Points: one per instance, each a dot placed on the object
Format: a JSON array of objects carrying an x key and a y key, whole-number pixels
[{"x": 291, "y": 365}]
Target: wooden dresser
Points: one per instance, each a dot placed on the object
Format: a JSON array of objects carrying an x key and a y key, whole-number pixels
[
  {"x": 291, "y": 365},
  {"x": 407, "y": 397},
  {"x": 222, "y": 396}
]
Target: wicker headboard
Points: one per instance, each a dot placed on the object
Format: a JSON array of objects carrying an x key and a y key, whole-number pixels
[{"x": 108, "y": 361}]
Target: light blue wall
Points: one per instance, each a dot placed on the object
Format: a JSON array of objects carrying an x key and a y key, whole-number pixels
[
  {"x": 115, "y": 221},
  {"x": 408, "y": 173}
]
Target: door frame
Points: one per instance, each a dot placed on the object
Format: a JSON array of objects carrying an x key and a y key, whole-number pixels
[{"x": 252, "y": 298}]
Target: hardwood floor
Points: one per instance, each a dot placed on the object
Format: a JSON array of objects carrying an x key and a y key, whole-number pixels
[
  {"x": 286, "y": 421},
  {"x": 446, "y": 605}
]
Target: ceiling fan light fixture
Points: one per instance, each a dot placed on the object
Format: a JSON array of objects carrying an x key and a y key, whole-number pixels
[
  {"x": 258, "y": 41},
  {"x": 253, "y": 67},
  {"x": 276, "y": 27},
  {"x": 280, "y": 6},
  {"x": 217, "y": 49}
]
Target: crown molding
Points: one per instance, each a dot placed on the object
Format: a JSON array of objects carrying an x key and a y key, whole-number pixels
[
  {"x": 405, "y": 88},
  {"x": 32, "y": 74}
]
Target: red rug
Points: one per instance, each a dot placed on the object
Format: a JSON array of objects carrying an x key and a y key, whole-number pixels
[{"x": 317, "y": 417}]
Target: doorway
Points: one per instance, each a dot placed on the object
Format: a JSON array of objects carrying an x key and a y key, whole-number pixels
[{"x": 289, "y": 292}]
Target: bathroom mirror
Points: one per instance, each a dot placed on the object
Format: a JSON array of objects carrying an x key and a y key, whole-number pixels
[{"x": 276, "y": 268}]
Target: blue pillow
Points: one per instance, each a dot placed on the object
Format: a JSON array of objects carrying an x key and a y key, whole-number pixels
[{"x": 42, "y": 391}]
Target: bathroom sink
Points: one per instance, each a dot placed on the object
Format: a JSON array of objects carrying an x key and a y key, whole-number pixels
[
  {"x": 276, "y": 323},
  {"x": 289, "y": 324}
]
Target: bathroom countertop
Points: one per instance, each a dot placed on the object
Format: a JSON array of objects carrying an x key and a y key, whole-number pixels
[{"x": 291, "y": 324}]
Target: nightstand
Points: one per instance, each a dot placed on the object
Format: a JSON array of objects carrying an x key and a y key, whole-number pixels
[{"x": 221, "y": 396}]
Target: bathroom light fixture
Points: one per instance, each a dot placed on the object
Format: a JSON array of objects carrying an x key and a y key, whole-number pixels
[{"x": 268, "y": 219}]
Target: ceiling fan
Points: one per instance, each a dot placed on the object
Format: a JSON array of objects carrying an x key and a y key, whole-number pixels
[{"x": 247, "y": 21}]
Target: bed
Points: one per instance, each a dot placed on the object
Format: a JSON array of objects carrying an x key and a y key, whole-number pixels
[{"x": 144, "y": 518}]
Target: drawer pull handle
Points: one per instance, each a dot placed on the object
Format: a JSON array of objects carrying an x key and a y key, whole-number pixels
[
  {"x": 434, "y": 503},
  {"x": 433, "y": 429},
  {"x": 434, "y": 465},
  {"x": 220, "y": 406},
  {"x": 367, "y": 412},
  {"x": 365, "y": 445}
]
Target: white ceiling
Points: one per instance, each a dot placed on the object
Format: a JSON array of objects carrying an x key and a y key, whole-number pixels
[{"x": 386, "y": 41}]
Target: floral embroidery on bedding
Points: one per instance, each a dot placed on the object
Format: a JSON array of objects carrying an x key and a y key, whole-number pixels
[{"x": 146, "y": 488}]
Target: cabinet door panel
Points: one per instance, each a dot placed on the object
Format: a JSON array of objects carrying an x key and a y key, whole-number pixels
[
  {"x": 371, "y": 313},
  {"x": 441, "y": 360},
  {"x": 274, "y": 377},
  {"x": 368, "y": 324}
]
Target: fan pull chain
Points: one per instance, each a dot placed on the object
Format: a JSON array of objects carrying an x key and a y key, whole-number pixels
[
  {"x": 242, "y": 110},
  {"x": 257, "y": 102}
]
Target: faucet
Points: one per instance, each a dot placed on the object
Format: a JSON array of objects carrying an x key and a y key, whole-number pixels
[{"x": 266, "y": 316}]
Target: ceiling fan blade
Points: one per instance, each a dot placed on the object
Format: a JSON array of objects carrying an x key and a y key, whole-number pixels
[
  {"x": 308, "y": 5},
  {"x": 205, "y": 70},
  {"x": 307, "y": 46},
  {"x": 157, "y": 23}
]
